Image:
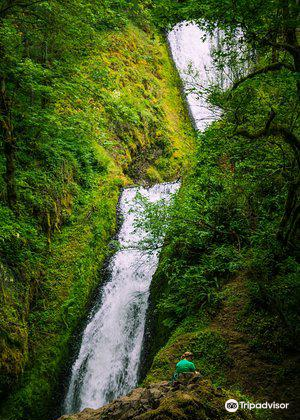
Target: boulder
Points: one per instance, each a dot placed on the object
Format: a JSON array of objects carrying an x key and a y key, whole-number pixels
[{"x": 191, "y": 399}]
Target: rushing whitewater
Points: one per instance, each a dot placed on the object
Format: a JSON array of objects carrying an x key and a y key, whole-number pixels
[
  {"x": 192, "y": 51},
  {"x": 192, "y": 56},
  {"x": 108, "y": 360}
]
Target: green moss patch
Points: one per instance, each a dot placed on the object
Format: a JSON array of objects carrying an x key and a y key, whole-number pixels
[{"x": 210, "y": 349}]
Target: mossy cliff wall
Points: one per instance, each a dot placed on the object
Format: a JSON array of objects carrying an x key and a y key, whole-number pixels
[{"x": 122, "y": 120}]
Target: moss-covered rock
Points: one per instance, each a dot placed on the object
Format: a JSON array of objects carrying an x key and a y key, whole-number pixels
[
  {"x": 193, "y": 399},
  {"x": 210, "y": 349},
  {"x": 14, "y": 331}
]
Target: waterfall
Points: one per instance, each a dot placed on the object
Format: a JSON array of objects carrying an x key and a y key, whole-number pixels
[
  {"x": 108, "y": 360},
  {"x": 192, "y": 52},
  {"x": 192, "y": 56},
  {"x": 109, "y": 356}
]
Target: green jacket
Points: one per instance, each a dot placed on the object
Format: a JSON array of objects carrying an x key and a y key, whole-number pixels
[{"x": 185, "y": 366}]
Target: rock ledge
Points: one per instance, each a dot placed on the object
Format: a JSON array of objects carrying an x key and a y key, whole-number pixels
[{"x": 191, "y": 399}]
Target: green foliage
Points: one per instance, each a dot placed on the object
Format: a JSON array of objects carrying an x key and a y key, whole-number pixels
[
  {"x": 90, "y": 102},
  {"x": 263, "y": 24},
  {"x": 226, "y": 220},
  {"x": 237, "y": 214},
  {"x": 214, "y": 354},
  {"x": 93, "y": 104},
  {"x": 272, "y": 314},
  {"x": 209, "y": 348}
]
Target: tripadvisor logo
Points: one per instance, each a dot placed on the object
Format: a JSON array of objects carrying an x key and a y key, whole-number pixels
[{"x": 232, "y": 405}]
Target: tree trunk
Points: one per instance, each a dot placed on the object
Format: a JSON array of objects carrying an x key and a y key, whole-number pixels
[
  {"x": 9, "y": 153},
  {"x": 289, "y": 230},
  {"x": 9, "y": 147}
]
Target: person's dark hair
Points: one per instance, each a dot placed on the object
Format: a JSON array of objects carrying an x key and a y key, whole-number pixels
[{"x": 187, "y": 354}]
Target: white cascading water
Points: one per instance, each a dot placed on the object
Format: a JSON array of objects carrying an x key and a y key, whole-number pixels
[
  {"x": 192, "y": 52},
  {"x": 192, "y": 56},
  {"x": 108, "y": 360}
]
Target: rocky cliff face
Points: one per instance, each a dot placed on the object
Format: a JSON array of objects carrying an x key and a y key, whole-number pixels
[{"x": 191, "y": 399}]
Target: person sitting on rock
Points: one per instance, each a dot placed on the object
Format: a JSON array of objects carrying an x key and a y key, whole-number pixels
[
  {"x": 185, "y": 364},
  {"x": 185, "y": 367}
]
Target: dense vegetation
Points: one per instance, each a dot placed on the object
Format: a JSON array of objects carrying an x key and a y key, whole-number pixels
[
  {"x": 228, "y": 280},
  {"x": 89, "y": 103},
  {"x": 270, "y": 30}
]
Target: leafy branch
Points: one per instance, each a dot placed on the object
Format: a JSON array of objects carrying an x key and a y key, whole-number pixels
[{"x": 272, "y": 67}]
